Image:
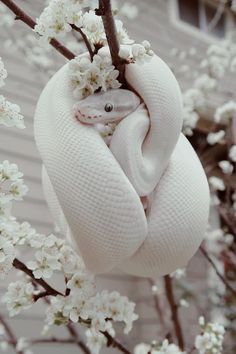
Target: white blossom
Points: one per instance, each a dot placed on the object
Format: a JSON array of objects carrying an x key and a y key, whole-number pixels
[
  {"x": 122, "y": 34},
  {"x": 66, "y": 308},
  {"x": 18, "y": 189},
  {"x": 226, "y": 167},
  {"x": 178, "y": 273},
  {"x": 22, "y": 345},
  {"x": 82, "y": 281},
  {"x": 93, "y": 27},
  {"x": 136, "y": 52},
  {"x": 10, "y": 114},
  {"x": 211, "y": 340},
  {"x": 225, "y": 112},
  {"x": 184, "y": 303},
  {"x": 232, "y": 153},
  {"x": 205, "y": 83},
  {"x": 192, "y": 100},
  {"x": 213, "y": 138},
  {"x": 87, "y": 77},
  {"x": 69, "y": 260},
  {"x": 44, "y": 265},
  {"x": 95, "y": 340},
  {"x": 53, "y": 20},
  {"x": 9, "y": 171},
  {"x": 217, "y": 183},
  {"x": 19, "y": 296},
  {"x": 142, "y": 348},
  {"x": 110, "y": 305},
  {"x": 3, "y": 73},
  {"x": 7, "y": 255},
  {"x": 141, "y": 52},
  {"x": 168, "y": 348},
  {"x": 163, "y": 348}
]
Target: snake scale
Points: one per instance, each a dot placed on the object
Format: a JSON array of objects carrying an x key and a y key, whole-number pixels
[{"x": 95, "y": 192}]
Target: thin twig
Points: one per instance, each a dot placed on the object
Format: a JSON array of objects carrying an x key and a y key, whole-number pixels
[
  {"x": 52, "y": 340},
  {"x": 105, "y": 11},
  {"x": 174, "y": 311},
  {"x": 222, "y": 278},
  {"x": 12, "y": 338},
  {"x": 112, "y": 342},
  {"x": 157, "y": 304},
  {"x": 85, "y": 39},
  {"x": 40, "y": 295},
  {"x": 22, "y": 16},
  {"x": 21, "y": 266},
  {"x": 79, "y": 342}
]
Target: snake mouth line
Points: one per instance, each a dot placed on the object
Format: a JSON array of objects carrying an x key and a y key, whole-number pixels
[{"x": 79, "y": 114}]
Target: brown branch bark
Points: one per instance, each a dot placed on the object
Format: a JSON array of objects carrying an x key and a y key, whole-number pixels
[
  {"x": 11, "y": 336},
  {"x": 174, "y": 311},
  {"x": 157, "y": 304},
  {"x": 85, "y": 39},
  {"x": 222, "y": 278},
  {"x": 112, "y": 342},
  {"x": 52, "y": 340},
  {"x": 105, "y": 11},
  {"x": 21, "y": 266},
  {"x": 22, "y": 16},
  {"x": 75, "y": 335}
]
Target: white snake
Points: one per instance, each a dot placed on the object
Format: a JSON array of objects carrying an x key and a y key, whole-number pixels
[{"x": 94, "y": 192}]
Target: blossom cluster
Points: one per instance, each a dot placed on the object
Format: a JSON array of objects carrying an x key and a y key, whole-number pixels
[
  {"x": 81, "y": 302},
  {"x": 137, "y": 52},
  {"x": 12, "y": 188},
  {"x": 88, "y": 77},
  {"x": 210, "y": 341},
  {"x": 218, "y": 59},
  {"x": 9, "y": 113},
  {"x": 225, "y": 112},
  {"x": 155, "y": 348},
  {"x": 56, "y": 18},
  {"x": 3, "y": 73},
  {"x": 97, "y": 310},
  {"x": 19, "y": 295},
  {"x": 192, "y": 100},
  {"x": 60, "y": 16}
]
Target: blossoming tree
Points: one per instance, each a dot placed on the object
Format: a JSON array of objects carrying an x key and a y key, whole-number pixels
[{"x": 90, "y": 25}]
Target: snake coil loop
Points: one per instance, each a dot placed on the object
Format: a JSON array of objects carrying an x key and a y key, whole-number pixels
[{"x": 94, "y": 191}]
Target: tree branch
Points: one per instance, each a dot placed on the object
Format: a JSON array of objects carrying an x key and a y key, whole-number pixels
[
  {"x": 21, "y": 266},
  {"x": 112, "y": 342},
  {"x": 222, "y": 278},
  {"x": 22, "y": 16},
  {"x": 85, "y": 39},
  {"x": 105, "y": 11},
  {"x": 174, "y": 311},
  {"x": 12, "y": 338},
  {"x": 75, "y": 335},
  {"x": 157, "y": 304},
  {"x": 52, "y": 340}
]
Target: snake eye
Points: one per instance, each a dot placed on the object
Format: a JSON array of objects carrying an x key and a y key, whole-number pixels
[{"x": 108, "y": 107}]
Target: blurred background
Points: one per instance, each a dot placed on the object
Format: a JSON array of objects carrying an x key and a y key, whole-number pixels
[{"x": 180, "y": 31}]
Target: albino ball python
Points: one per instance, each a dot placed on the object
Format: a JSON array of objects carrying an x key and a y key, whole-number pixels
[{"x": 94, "y": 190}]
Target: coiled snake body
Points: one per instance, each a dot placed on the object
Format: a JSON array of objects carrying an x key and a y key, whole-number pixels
[{"x": 94, "y": 191}]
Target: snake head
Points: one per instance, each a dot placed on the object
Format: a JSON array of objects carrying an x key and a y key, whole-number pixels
[{"x": 106, "y": 107}]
